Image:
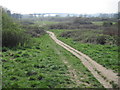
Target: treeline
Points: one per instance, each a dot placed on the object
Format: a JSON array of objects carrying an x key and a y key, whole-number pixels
[{"x": 14, "y": 15}]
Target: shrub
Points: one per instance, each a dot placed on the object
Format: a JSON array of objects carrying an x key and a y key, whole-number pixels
[
  {"x": 101, "y": 39},
  {"x": 34, "y": 30},
  {"x": 91, "y": 36},
  {"x": 77, "y": 23},
  {"x": 12, "y": 34},
  {"x": 81, "y": 21},
  {"x": 112, "y": 31},
  {"x": 107, "y": 24},
  {"x": 59, "y": 26},
  {"x": 13, "y": 38}
]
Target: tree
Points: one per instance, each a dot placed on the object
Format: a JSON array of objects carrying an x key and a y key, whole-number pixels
[{"x": 12, "y": 34}]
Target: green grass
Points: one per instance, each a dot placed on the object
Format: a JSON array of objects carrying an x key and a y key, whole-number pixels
[
  {"x": 59, "y": 31},
  {"x": 100, "y": 23},
  {"x": 107, "y": 55},
  {"x": 41, "y": 66}
]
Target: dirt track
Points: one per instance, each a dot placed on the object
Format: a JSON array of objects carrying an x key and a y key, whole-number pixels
[{"x": 103, "y": 75}]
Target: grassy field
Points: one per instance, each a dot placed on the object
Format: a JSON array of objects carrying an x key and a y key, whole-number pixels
[
  {"x": 41, "y": 66},
  {"x": 107, "y": 55}
]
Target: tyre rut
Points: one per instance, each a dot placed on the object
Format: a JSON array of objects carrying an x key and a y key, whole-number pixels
[{"x": 104, "y": 77}]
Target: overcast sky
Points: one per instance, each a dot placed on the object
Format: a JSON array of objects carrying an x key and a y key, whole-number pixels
[{"x": 61, "y": 6}]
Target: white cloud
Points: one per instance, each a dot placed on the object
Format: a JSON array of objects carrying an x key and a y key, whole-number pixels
[{"x": 66, "y": 6}]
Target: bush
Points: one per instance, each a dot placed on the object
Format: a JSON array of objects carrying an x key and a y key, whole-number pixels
[
  {"x": 112, "y": 31},
  {"x": 34, "y": 30},
  {"x": 107, "y": 24},
  {"x": 79, "y": 20},
  {"x": 59, "y": 26},
  {"x": 91, "y": 36},
  {"x": 101, "y": 40},
  {"x": 12, "y": 34},
  {"x": 13, "y": 38},
  {"x": 77, "y": 23},
  {"x": 73, "y": 26}
]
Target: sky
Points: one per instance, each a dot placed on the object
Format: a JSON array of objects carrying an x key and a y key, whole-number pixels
[{"x": 61, "y": 6}]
